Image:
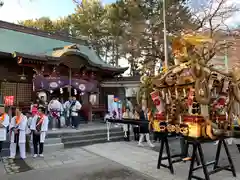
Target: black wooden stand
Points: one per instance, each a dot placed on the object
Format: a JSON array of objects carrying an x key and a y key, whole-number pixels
[
  {"x": 187, "y": 154},
  {"x": 197, "y": 149},
  {"x": 164, "y": 142},
  {"x": 128, "y": 132}
]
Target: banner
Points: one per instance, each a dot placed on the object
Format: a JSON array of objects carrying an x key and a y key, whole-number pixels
[
  {"x": 8, "y": 100},
  {"x": 51, "y": 83}
]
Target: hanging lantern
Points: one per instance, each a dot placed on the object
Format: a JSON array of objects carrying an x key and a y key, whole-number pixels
[
  {"x": 61, "y": 91},
  {"x": 82, "y": 93},
  {"x": 84, "y": 74},
  {"x": 92, "y": 75},
  {"x": 75, "y": 92},
  {"x": 51, "y": 91}
]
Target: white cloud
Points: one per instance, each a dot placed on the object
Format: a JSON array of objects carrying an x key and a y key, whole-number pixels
[{"x": 14, "y": 10}]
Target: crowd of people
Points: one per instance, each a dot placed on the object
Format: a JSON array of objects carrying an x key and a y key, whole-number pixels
[
  {"x": 60, "y": 114},
  {"x": 23, "y": 126},
  {"x": 141, "y": 132},
  {"x": 20, "y": 128}
]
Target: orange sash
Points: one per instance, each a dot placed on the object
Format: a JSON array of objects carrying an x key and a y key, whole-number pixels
[
  {"x": 41, "y": 120},
  {"x": 2, "y": 117},
  {"x": 18, "y": 120}
]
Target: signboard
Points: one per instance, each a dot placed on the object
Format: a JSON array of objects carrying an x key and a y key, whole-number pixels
[{"x": 8, "y": 100}]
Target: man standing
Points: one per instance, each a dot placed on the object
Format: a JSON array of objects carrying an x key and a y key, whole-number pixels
[
  {"x": 4, "y": 123},
  {"x": 17, "y": 129},
  {"x": 74, "y": 109},
  {"x": 39, "y": 128},
  {"x": 55, "y": 108},
  {"x": 115, "y": 108},
  {"x": 67, "y": 106}
]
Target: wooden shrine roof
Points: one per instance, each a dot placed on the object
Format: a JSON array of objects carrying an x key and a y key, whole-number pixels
[{"x": 37, "y": 45}]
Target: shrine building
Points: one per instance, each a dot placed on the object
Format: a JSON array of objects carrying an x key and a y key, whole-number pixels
[{"x": 34, "y": 61}]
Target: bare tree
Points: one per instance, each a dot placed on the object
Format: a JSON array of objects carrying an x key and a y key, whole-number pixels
[{"x": 210, "y": 17}]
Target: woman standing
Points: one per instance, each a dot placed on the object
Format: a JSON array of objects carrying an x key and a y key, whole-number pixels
[{"x": 144, "y": 128}]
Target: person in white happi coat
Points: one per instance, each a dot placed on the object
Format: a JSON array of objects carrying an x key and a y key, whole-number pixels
[
  {"x": 39, "y": 128},
  {"x": 17, "y": 130},
  {"x": 55, "y": 108},
  {"x": 74, "y": 110},
  {"x": 4, "y": 123},
  {"x": 66, "y": 107}
]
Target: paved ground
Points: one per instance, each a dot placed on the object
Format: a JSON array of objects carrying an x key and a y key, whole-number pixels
[
  {"x": 73, "y": 164},
  {"x": 145, "y": 160},
  {"x": 113, "y": 161}
]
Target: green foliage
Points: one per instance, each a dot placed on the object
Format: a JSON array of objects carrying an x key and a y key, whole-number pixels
[
  {"x": 131, "y": 29},
  {"x": 61, "y": 25}
]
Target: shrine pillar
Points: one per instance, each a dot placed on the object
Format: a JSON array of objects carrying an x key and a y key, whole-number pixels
[{"x": 70, "y": 82}]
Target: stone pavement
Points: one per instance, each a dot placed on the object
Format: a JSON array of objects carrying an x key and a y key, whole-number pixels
[
  {"x": 114, "y": 161},
  {"x": 74, "y": 164},
  {"x": 144, "y": 160}
]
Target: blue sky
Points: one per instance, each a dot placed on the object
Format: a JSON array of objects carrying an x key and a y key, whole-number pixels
[{"x": 14, "y": 10}]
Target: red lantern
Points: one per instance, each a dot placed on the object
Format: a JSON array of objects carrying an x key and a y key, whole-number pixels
[{"x": 157, "y": 102}]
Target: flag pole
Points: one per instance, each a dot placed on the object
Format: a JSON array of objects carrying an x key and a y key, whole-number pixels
[{"x": 165, "y": 36}]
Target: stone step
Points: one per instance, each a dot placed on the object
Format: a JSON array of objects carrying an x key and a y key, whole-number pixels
[
  {"x": 80, "y": 143},
  {"x": 53, "y": 140},
  {"x": 70, "y": 132},
  {"x": 90, "y": 136},
  {"x": 53, "y": 147}
]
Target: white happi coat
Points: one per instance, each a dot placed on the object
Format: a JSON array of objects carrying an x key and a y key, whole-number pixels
[
  {"x": 44, "y": 127},
  {"x": 67, "y": 106},
  {"x": 55, "y": 105},
  {"x": 75, "y": 108},
  {"x": 22, "y": 127},
  {"x": 5, "y": 123}
]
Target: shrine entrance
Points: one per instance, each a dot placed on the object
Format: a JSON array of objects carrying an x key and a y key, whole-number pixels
[{"x": 63, "y": 94}]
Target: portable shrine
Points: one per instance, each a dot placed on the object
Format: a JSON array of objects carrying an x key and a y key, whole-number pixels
[{"x": 194, "y": 100}]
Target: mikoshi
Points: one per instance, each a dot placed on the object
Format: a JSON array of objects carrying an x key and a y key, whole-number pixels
[{"x": 191, "y": 97}]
